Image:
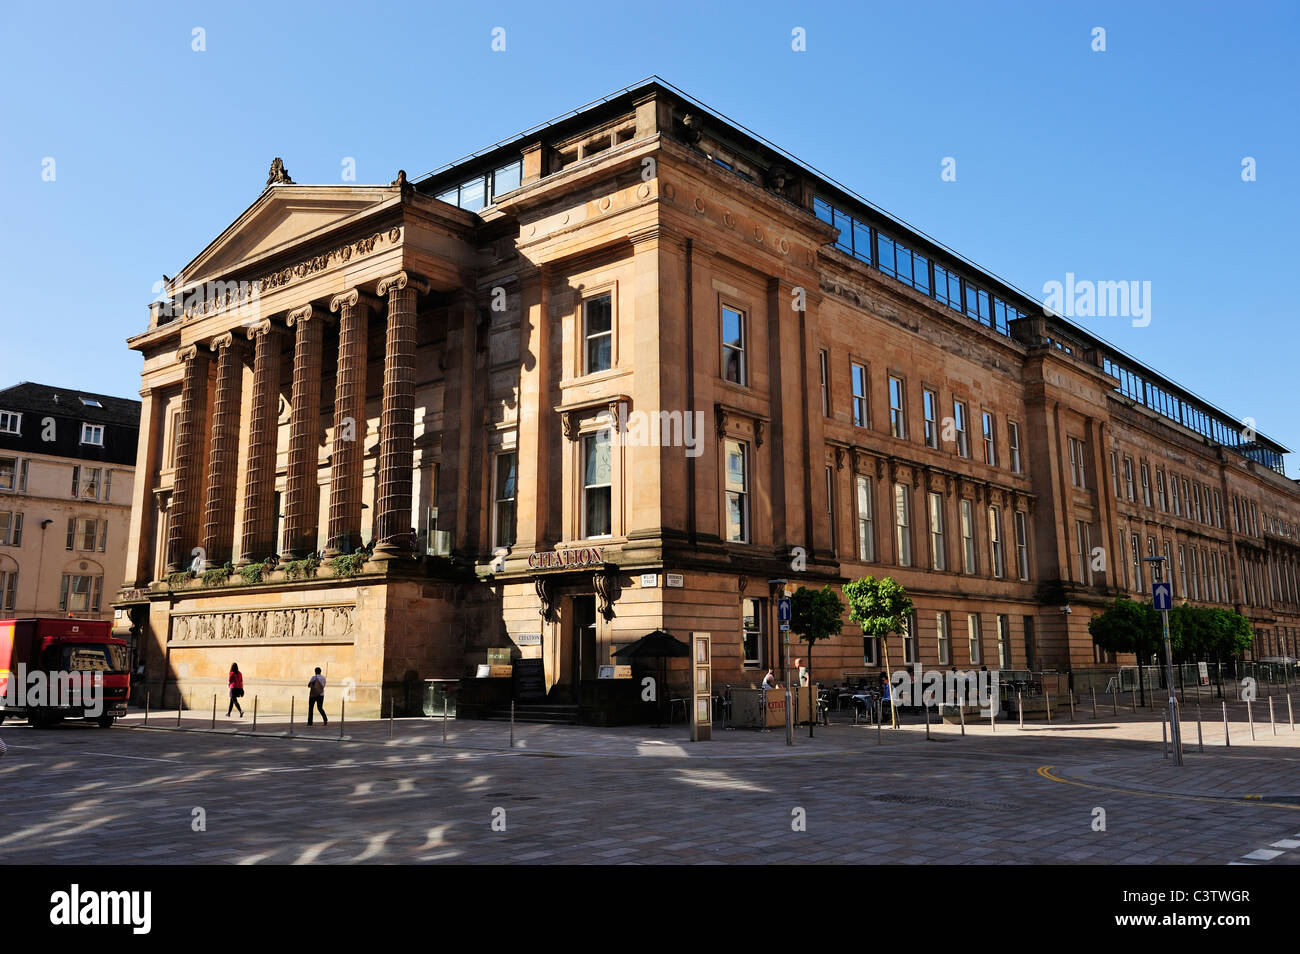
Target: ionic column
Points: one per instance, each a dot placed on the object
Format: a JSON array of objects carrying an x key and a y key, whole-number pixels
[
  {"x": 343, "y": 535},
  {"x": 187, "y": 486},
  {"x": 223, "y": 459},
  {"x": 258, "y": 538},
  {"x": 397, "y": 420},
  {"x": 302, "y": 503}
]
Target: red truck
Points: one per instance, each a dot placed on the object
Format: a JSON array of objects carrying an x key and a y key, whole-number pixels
[{"x": 42, "y": 659}]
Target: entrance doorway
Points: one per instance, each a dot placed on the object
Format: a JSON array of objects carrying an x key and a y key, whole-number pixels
[{"x": 584, "y": 639}]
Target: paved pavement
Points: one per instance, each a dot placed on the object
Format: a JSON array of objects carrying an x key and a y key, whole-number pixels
[{"x": 77, "y": 794}]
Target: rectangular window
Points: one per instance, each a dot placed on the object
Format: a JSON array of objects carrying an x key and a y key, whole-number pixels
[
  {"x": 1184, "y": 583},
  {"x": 990, "y": 439},
  {"x": 597, "y": 488},
  {"x": 930, "y": 407},
  {"x": 87, "y": 531},
  {"x": 902, "y": 526},
  {"x": 1022, "y": 546},
  {"x": 598, "y": 333},
  {"x": 752, "y": 616},
  {"x": 830, "y": 503},
  {"x": 1013, "y": 444},
  {"x": 1004, "y": 641},
  {"x": 504, "y": 510},
  {"x": 8, "y": 473},
  {"x": 11, "y": 529},
  {"x": 1129, "y": 493},
  {"x": 1114, "y": 473},
  {"x": 973, "y": 639},
  {"x": 1135, "y": 544},
  {"x": 1236, "y": 511},
  {"x": 1169, "y": 570},
  {"x": 968, "y": 563},
  {"x": 869, "y": 650},
  {"x": 995, "y": 542},
  {"x": 507, "y": 179},
  {"x": 733, "y": 345},
  {"x": 1174, "y": 496},
  {"x": 737, "y": 492},
  {"x": 11, "y": 422},
  {"x": 1076, "y": 448},
  {"x": 92, "y": 434},
  {"x": 824, "y": 370},
  {"x": 1218, "y": 510},
  {"x": 866, "y": 526},
  {"x": 1146, "y": 486},
  {"x": 79, "y": 594},
  {"x": 909, "y": 640},
  {"x": 959, "y": 425},
  {"x": 8, "y": 590},
  {"x": 897, "y": 408},
  {"x": 1160, "y": 491},
  {"x": 859, "y": 375},
  {"x": 942, "y": 638},
  {"x": 1083, "y": 548},
  {"x": 936, "y": 532}
]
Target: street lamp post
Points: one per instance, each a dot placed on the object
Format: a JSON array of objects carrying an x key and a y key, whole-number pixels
[
  {"x": 784, "y": 593},
  {"x": 1175, "y": 731}
]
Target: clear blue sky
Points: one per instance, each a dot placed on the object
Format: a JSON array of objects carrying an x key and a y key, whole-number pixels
[{"x": 1115, "y": 166}]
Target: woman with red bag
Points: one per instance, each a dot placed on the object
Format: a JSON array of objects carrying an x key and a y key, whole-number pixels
[{"x": 236, "y": 682}]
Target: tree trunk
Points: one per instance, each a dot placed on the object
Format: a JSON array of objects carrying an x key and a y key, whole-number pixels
[
  {"x": 812, "y": 693},
  {"x": 893, "y": 708}
]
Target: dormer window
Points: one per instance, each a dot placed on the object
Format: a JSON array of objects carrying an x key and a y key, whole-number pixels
[
  {"x": 92, "y": 434},
  {"x": 10, "y": 422}
]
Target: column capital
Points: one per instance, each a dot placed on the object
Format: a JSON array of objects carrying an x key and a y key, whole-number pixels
[
  {"x": 304, "y": 314},
  {"x": 224, "y": 340},
  {"x": 348, "y": 298},
  {"x": 263, "y": 327},
  {"x": 399, "y": 281},
  {"x": 187, "y": 353}
]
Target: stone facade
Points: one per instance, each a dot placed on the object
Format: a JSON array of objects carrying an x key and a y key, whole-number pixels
[{"x": 618, "y": 376}]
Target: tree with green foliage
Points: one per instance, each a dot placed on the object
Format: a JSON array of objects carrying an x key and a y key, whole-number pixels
[
  {"x": 814, "y": 615},
  {"x": 880, "y": 607},
  {"x": 1127, "y": 626}
]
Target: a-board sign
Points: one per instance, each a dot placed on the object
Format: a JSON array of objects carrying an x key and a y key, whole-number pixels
[{"x": 530, "y": 680}]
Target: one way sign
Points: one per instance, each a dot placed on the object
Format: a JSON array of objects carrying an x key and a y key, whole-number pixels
[{"x": 1162, "y": 596}]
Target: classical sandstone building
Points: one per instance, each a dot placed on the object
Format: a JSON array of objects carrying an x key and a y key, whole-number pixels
[
  {"x": 619, "y": 373},
  {"x": 67, "y": 466}
]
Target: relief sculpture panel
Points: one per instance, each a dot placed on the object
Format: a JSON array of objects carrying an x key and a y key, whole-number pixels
[{"x": 304, "y": 624}]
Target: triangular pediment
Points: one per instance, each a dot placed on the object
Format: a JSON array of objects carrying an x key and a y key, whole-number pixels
[{"x": 284, "y": 217}]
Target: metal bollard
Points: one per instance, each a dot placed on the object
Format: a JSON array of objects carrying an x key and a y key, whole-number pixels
[
  {"x": 146, "y": 707},
  {"x": 993, "y": 715},
  {"x": 927, "y": 720},
  {"x": 343, "y": 716},
  {"x": 391, "y": 702},
  {"x": 1227, "y": 737},
  {"x": 1020, "y": 709},
  {"x": 1200, "y": 739},
  {"x": 214, "y": 711},
  {"x": 254, "y": 713},
  {"x": 1250, "y": 715},
  {"x": 1270, "y": 715},
  {"x": 512, "y": 723},
  {"x": 1164, "y": 731},
  {"x": 880, "y": 718},
  {"x": 292, "y": 701},
  {"x": 1290, "y": 716},
  {"x": 444, "y": 720},
  {"x": 180, "y": 702},
  {"x": 961, "y": 711},
  {"x": 1047, "y": 699},
  {"x": 1093, "y": 690},
  {"x": 1133, "y": 699},
  {"x": 1071, "y": 694},
  {"x": 1114, "y": 703}
]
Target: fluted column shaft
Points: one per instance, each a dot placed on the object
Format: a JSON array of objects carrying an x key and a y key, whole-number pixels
[
  {"x": 258, "y": 538},
  {"x": 187, "y": 485},
  {"x": 397, "y": 420},
  {"x": 223, "y": 451},
  {"x": 343, "y": 535},
  {"x": 302, "y": 504}
]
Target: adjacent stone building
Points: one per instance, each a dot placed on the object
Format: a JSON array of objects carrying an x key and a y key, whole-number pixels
[
  {"x": 67, "y": 466},
  {"x": 619, "y": 374}
]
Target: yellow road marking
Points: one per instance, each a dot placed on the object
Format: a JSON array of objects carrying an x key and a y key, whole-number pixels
[{"x": 1046, "y": 772}]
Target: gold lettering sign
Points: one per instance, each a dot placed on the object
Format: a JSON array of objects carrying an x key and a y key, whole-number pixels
[{"x": 563, "y": 559}]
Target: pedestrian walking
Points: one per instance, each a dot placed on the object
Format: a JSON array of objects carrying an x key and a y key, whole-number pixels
[
  {"x": 236, "y": 684},
  {"x": 316, "y": 697}
]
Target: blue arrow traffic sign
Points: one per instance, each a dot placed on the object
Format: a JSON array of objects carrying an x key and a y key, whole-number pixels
[
  {"x": 783, "y": 609},
  {"x": 1162, "y": 596}
]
